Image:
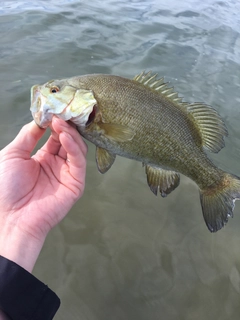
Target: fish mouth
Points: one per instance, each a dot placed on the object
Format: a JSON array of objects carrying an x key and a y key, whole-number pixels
[
  {"x": 91, "y": 116},
  {"x": 39, "y": 108}
]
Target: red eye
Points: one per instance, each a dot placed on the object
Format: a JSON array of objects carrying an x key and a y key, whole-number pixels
[{"x": 54, "y": 89}]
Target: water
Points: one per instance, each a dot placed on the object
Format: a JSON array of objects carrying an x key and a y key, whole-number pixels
[{"x": 122, "y": 253}]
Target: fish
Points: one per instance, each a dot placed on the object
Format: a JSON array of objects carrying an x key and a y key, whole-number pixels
[{"x": 144, "y": 119}]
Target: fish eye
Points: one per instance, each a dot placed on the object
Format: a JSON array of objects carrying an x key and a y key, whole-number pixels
[{"x": 54, "y": 89}]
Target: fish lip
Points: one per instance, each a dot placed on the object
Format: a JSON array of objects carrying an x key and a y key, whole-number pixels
[
  {"x": 42, "y": 120},
  {"x": 39, "y": 125},
  {"x": 45, "y": 120},
  {"x": 34, "y": 89},
  {"x": 40, "y": 116}
]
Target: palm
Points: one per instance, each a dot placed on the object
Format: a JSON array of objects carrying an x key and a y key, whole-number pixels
[{"x": 39, "y": 191}]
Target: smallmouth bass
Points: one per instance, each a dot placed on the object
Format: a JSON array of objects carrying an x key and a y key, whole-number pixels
[{"x": 145, "y": 120}]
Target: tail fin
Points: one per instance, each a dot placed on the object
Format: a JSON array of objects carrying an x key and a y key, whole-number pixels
[{"x": 218, "y": 202}]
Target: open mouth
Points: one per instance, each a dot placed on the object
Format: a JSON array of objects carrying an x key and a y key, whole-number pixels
[{"x": 91, "y": 116}]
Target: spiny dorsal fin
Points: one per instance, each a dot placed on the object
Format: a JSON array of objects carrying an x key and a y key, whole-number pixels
[
  {"x": 150, "y": 80},
  {"x": 210, "y": 126}
]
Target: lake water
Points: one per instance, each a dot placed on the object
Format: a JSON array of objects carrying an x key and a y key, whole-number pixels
[{"x": 123, "y": 253}]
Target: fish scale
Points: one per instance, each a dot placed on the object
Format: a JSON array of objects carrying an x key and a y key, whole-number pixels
[{"x": 145, "y": 120}]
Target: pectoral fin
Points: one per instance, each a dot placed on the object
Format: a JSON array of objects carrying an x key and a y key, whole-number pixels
[
  {"x": 104, "y": 159},
  {"x": 116, "y": 132},
  {"x": 163, "y": 180}
]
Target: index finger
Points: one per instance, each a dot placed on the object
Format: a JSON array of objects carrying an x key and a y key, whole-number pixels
[
  {"x": 60, "y": 126},
  {"x": 27, "y": 139}
]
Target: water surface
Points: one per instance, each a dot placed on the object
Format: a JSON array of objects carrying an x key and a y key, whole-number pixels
[{"x": 123, "y": 253}]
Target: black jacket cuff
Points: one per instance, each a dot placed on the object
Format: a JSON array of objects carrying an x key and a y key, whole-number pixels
[{"x": 23, "y": 296}]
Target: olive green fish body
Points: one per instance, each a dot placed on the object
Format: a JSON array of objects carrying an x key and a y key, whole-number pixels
[
  {"x": 164, "y": 136},
  {"x": 145, "y": 120}
]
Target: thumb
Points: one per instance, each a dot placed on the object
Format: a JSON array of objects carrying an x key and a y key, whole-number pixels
[{"x": 27, "y": 138}]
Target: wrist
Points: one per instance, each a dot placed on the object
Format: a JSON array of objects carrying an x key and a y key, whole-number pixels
[{"x": 20, "y": 247}]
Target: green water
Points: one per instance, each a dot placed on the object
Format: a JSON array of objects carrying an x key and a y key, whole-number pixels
[{"x": 123, "y": 253}]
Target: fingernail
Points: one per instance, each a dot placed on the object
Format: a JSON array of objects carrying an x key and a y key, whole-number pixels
[
  {"x": 68, "y": 136},
  {"x": 55, "y": 119},
  {"x": 55, "y": 135},
  {"x": 60, "y": 122}
]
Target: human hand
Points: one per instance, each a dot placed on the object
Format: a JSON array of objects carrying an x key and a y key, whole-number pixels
[{"x": 37, "y": 192}]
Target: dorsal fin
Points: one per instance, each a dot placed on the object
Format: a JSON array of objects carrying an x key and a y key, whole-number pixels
[
  {"x": 150, "y": 80},
  {"x": 209, "y": 124}
]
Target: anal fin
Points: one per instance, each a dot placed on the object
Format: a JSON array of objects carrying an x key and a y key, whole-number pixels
[
  {"x": 163, "y": 180},
  {"x": 104, "y": 159}
]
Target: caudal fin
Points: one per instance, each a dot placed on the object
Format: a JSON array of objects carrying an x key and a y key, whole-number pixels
[{"x": 218, "y": 202}]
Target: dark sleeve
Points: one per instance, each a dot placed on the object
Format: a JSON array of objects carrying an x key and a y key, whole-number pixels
[{"x": 23, "y": 296}]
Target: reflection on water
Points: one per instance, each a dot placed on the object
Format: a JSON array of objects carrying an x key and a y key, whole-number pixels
[{"x": 122, "y": 253}]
